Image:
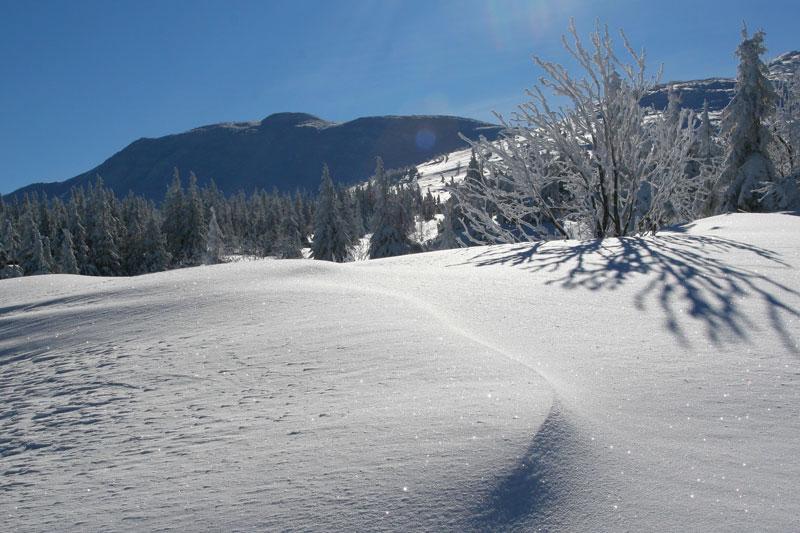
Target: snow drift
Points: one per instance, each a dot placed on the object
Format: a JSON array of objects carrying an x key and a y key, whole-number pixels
[{"x": 625, "y": 384}]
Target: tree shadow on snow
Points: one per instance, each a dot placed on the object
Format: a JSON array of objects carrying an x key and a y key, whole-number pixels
[{"x": 689, "y": 275}]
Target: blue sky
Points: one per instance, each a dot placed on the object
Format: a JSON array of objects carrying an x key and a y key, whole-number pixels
[{"x": 82, "y": 79}]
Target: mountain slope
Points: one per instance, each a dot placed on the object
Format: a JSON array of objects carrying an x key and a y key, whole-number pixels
[
  {"x": 285, "y": 150},
  {"x": 637, "y": 384},
  {"x": 717, "y": 91}
]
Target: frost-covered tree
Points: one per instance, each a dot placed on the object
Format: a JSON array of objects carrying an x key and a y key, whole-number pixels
[
  {"x": 155, "y": 257},
  {"x": 447, "y": 237},
  {"x": 32, "y": 256},
  {"x": 5, "y": 255},
  {"x": 599, "y": 164},
  {"x": 47, "y": 253},
  {"x": 392, "y": 223},
  {"x": 215, "y": 244},
  {"x": 67, "y": 263},
  {"x": 174, "y": 223},
  {"x": 331, "y": 239},
  {"x": 10, "y": 242},
  {"x": 77, "y": 230},
  {"x": 196, "y": 228},
  {"x": 290, "y": 240},
  {"x": 748, "y": 167},
  {"x": 673, "y": 111},
  {"x": 104, "y": 254},
  {"x": 36, "y": 261}
]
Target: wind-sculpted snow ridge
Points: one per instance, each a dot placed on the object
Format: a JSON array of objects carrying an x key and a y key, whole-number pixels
[{"x": 629, "y": 385}]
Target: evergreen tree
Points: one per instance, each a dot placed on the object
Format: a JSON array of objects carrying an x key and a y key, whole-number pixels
[
  {"x": 330, "y": 233},
  {"x": 449, "y": 228},
  {"x": 346, "y": 209},
  {"x": 10, "y": 242},
  {"x": 78, "y": 233},
  {"x": 47, "y": 253},
  {"x": 5, "y": 255},
  {"x": 215, "y": 246},
  {"x": 67, "y": 264},
  {"x": 289, "y": 244},
  {"x": 196, "y": 229},
  {"x": 747, "y": 167},
  {"x": 35, "y": 260},
  {"x": 392, "y": 222},
  {"x": 357, "y": 218},
  {"x": 104, "y": 256},
  {"x": 173, "y": 227},
  {"x": 155, "y": 257}
]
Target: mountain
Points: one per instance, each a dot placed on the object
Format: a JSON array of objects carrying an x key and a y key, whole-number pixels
[
  {"x": 718, "y": 91},
  {"x": 285, "y": 150}
]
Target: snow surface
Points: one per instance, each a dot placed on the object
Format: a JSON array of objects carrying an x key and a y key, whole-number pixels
[
  {"x": 624, "y": 385},
  {"x": 453, "y": 165}
]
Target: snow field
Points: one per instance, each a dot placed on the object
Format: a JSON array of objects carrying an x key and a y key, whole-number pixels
[{"x": 630, "y": 384}]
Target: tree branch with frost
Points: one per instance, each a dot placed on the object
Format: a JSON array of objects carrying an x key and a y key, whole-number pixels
[{"x": 601, "y": 162}]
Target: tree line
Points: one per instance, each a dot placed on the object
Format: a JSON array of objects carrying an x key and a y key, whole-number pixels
[
  {"x": 93, "y": 232},
  {"x": 602, "y": 166}
]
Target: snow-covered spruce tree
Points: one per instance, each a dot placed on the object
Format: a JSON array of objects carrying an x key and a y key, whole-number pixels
[
  {"x": 747, "y": 168},
  {"x": 447, "y": 237},
  {"x": 35, "y": 260},
  {"x": 215, "y": 243},
  {"x": 345, "y": 208},
  {"x": 67, "y": 263},
  {"x": 392, "y": 223},
  {"x": 47, "y": 252},
  {"x": 290, "y": 243},
  {"x": 196, "y": 228},
  {"x": 597, "y": 164},
  {"x": 131, "y": 245},
  {"x": 104, "y": 255},
  {"x": 173, "y": 220},
  {"x": 155, "y": 257},
  {"x": 5, "y": 255},
  {"x": 10, "y": 242},
  {"x": 330, "y": 233},
  {"x": 31, "y": 250},
  {"x": 78, "y": 231}
]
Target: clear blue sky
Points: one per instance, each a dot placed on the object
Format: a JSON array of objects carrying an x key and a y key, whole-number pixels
[{"x": 82, "y": 79}]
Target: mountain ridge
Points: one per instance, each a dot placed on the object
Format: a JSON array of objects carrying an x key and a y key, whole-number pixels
[
  {"x": 284, "y": 150},
  {"x": 718, "y": 91}
]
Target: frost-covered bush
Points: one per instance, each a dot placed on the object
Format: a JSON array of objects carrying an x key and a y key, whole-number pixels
[{"x": 599, "y": 161}]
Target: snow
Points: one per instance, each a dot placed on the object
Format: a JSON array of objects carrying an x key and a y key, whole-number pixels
[
  {"x": 452, "y": 165},
  {"x": 633, "y": 384}
]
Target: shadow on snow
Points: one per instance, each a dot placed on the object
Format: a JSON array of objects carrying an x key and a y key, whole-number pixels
[{"x": 688, "y": 274}]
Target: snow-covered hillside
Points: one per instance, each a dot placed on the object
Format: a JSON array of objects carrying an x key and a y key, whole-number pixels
[
  {"x": 627, "y": 385},
  {"x": 436, "y": 174}
]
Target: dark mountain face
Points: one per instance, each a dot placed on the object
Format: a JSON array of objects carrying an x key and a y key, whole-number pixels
[
  {"x": 718, "y": 91},
  {"x": 285, "y": 150}
]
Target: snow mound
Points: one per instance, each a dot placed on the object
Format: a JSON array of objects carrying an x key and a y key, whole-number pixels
[{"x": 629, "y": 384}]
